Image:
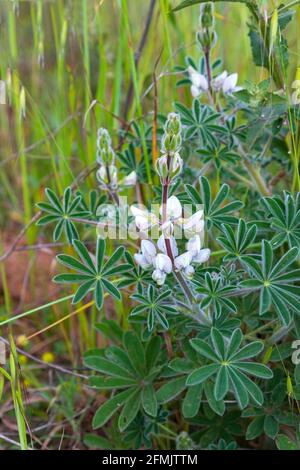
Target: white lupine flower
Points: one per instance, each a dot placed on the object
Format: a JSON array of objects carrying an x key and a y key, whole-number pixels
[
  {"x": 195, "y": 91},
  {"x": 184, "y": 260},
  {"x": 229, "y": 85},
  {"x": 146, "y": 258},
  {"x": 129, "y": 180},
  {"x": 148, "y": 250},
  {"x": 195, "y": 223},
  {"x": 161, "y": 245},
  {"x": 144, "y": 219},
  {"x": 163, "y": 266},
  {"x": 162, "y": 262},
  {"x": 217, "y": 83},
  {"x": 159, "y": 277},
  {"x": 189, "y": 271},
  {"x": 194, "y": 245},
  {"x": 198, "y": 80},
  {"x": 174, "y": 208},
  {"x": 202, "y": 256},
  {"x": 141, "y": 261}
]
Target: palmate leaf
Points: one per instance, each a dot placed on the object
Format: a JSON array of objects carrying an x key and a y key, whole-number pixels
[
  {"x": 237, "y": 243},
  {"x": 178, "y": 370},
  {"x": 275, "y": 281},
  {"x": 216, "y": 211},
  {"x": 92, "y": 274},
  {"x": 284, "y": 215},
  {"x": 200, "y": 122},
  {"x": 133, "y": 369},
  {"x": 156, "y": 305},
  {"x": 62, "y": 213},
  {"x": 218, "y": 154},
  {"x": 229, "y": 367},
  {"x": 136, "y": 276},
  {"x": 215, "y": 294}
]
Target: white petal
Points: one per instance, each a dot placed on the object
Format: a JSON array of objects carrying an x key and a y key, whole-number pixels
[
  {"x": 159, "y": 277},
  {"x": 195, "y": 91},
  {"x": 195, "y": 222},
  {"x": 189, "y": 271},
  {"x": 141, "y": 261},
  {"x": 218, "y": 82},
  {"x": 230, "y": 83},
  {"x": 198, "y": 80},
  {"x": 163, "y": 262},
  {"x": 174, "y": 208},
  {"x": 162, "y": 245},
  {"x": 194, "y": 245},
  {"x": 129, "y": 180},
  {"x": 142, "y": 222},
  {"x": 183, "y": 260},
  {"x": 137, "y": 211},
  {"x": 148, "y": 250},
  {"x": 202, "y": 256}
]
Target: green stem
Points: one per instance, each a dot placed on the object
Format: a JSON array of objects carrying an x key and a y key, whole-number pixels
[{"x": 37, "y": 309}]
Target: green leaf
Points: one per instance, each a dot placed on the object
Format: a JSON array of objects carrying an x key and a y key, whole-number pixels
[
  {"x": 240, "y": 391},
  {"x": 98, "y": 295},
  {"x": 152, "y": 351},
  {"x": 192, "y": 401},
  {"x": 82, "y": 291},
  {"x": 255, "y": 428},
  {"x": 218, "y": 343},
  {"x": 110, "y": 383},
  {"x": 100, "y": 252},
  {"x": 116, "y": 256},
  {"x": 103, "y": 365},
  {"x": 271, "y": 427},
  {"x": 109, "y": 408},
  {"x": 112, "y": 289},
  {"x": 84, "y": 254},
  {"x": 71, "y": 262},
  {"x": 149, "y": 400},
  {"x": 130, "y": 410},
  {"x": 135, "y": 352},
  {"x": 248, "y": 351},
  {"x": 253, "y": 368},
  {"x": 221, "y": 384},
  {"x": 283, "y": 442},
  {"x": 204, "y": 349},
  {"x": 170, "y": 390},
  {"x": 200, "y": 375}
]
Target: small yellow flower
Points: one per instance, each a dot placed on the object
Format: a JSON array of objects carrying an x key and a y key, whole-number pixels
[
  {"x": 23, "y": 359},
  {"x": 48, "y": 357},
  {"x": 22, "y": 340}
]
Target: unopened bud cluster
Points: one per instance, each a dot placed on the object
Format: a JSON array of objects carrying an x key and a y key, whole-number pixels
[
  {"x": 206, "y": 36},
  {"x": 169, "y": 165},
  {"x": 107, "y": 173}
]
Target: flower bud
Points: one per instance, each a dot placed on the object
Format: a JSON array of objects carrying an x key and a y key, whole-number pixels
[
  {"x": 169, "y": 166},
  {"x": 105, "y": 153},
  {"x": 108, "y": 176},
  {"x": 206, "y": 35}
]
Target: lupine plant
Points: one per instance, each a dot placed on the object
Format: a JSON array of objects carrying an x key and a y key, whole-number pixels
[{"x": 200, "y": 354}]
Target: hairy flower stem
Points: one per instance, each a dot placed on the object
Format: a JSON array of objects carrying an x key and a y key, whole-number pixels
[
  {"x": 208, "y": 68},
  {"x": 183, "y": 284}
]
